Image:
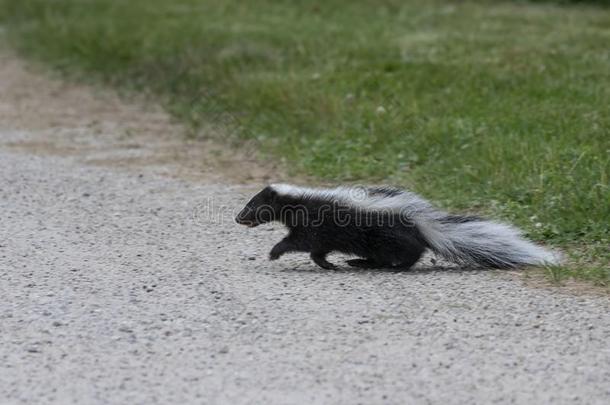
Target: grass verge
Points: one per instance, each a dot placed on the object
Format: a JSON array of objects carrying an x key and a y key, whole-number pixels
[{"x": 498, "y": 107}]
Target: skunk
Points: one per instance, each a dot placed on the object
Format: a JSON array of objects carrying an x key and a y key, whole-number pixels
[{"x": 385, "y": 227}]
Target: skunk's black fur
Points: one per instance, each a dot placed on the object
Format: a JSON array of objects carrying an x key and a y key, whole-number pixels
[{"x": 384, "y": 227}]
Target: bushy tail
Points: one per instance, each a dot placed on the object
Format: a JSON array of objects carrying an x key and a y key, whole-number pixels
[{"x": 475, "y": 241}]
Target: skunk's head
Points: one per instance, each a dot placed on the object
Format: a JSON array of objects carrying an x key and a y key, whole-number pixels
[{"x": 262, "y": 208}]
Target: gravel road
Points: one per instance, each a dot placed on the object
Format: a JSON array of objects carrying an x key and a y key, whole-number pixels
[{"x": 130, "y": 284}]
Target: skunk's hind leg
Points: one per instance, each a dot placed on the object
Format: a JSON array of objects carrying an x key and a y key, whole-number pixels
[
  {"x": 367, "y": 264},
  {"x": 410, "y": 258},
  {"x": 372, "y": 264},
  {"x": 405, "y": 263},
  {"x": 319, "y": 258}
]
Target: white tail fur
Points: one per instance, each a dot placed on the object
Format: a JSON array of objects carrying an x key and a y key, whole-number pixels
[{"x": 482, "y": 242}]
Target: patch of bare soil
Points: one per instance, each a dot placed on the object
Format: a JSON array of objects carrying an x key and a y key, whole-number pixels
[{"x": 45, "y": 115}]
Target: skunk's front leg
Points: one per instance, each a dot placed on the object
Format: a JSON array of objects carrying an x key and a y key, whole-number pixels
[
  {"x": 284, "y": 246},
  {"x": 319, "y": 258}
]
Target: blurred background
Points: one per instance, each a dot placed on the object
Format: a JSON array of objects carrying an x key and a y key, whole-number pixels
[{"x": 501, "y": 107}]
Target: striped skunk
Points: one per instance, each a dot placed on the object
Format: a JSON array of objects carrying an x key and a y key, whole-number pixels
[{"x": 384, "y": 227}]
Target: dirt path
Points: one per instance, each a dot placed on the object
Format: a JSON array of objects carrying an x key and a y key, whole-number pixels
[
  {"x": 94, "y": 126},
  {"x": 124, "y": 280}
]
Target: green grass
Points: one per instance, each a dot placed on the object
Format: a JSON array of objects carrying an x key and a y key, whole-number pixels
[{"x": 498, "y": 107}]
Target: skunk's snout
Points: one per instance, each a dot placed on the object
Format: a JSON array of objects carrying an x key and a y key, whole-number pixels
[{"x": 246, "y": 217}]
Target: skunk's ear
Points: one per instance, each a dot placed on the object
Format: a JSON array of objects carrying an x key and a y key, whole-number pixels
[{"x": 270, "y": 194}]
